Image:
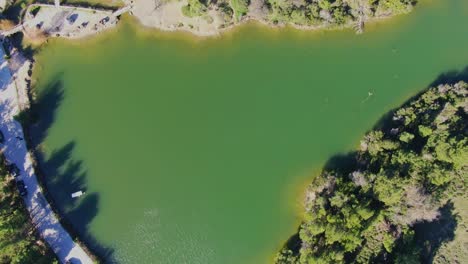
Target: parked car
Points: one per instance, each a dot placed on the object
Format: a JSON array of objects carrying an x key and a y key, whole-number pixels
[
  {"x": 13, "y": 170},
  {"x": 22, "y": 188}
]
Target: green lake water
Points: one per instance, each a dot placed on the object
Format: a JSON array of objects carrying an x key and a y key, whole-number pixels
[{"x": 199, "y": 150}]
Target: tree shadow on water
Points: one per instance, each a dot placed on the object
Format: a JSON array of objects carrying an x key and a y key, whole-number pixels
[
  {"x": 61, "y": 172},
  {"x": 449, "y": 77},
  {"x": 42, "y": 113},
  {"x": 342, "y": 163}
]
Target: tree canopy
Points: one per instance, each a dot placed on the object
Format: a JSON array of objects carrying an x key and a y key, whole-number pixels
[
  {"x": 327, "y": 13},
  {"x": 403, "y": 178}
]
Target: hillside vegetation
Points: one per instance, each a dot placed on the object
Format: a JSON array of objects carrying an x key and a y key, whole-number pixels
[
  {"x": 395, "y": 199},
  {"x": 303, "y": 12}
]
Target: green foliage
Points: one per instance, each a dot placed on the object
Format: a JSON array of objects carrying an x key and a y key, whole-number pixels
[
  {"x": 332, "y": 12},
  {"x": 406, "y": 137},
  {"x": 285, "y": 257},
  {"x": 226, "y": 10},
  {"x": 395, "y": 6},
  {"x": 194, "y": 8},
  {"x": 340, "y": 15},
  {"x": 240, "y": 7},
  {"x": 18, "y": 243},
  {"x": 403, "y": 175},
  {"x": 408, "y": 253},
  {"x": 388, "y": 242},
  {"x": 388, "y": 190},
  {"x": 424, "y": 131},
  {"x": 299, "y": 17},
  {"x": 34, "y": 10}
]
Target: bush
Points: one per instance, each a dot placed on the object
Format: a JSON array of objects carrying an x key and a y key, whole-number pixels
[
  {"x": 240, "y": 7},
  {"x": 194, "y": 8}
]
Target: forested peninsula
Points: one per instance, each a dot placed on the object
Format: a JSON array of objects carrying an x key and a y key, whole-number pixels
[{"x": 400, "y": 197}]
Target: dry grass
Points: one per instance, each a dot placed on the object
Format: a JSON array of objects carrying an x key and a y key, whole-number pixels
[{"x": 456, "y": 251}]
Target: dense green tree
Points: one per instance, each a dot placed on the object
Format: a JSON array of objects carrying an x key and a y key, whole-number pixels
[
  {"x": 404, "y": 174},
  {"x": 333, "y": 12}
]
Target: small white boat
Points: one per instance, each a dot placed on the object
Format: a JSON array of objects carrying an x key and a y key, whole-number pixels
[{"x": 77, "y": 194}]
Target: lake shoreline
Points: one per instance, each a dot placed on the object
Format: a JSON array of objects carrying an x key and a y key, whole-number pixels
[
  {"x": 79, "y": 21},
  {"x": 246, "y": 21},
  {"x": 243, "y": 23},
  {"x": 169, "y": 17},
  {"x": 15, "y": 105}
]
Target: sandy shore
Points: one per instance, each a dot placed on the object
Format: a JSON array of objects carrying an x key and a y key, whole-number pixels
[
  {"x": 42, "y": 21},
  {"x": 168, "y": 16},
  {"x": 65, "y": 21}
]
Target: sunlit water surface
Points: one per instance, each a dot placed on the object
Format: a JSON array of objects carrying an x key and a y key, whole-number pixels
[{"x": 199, "y": 150}]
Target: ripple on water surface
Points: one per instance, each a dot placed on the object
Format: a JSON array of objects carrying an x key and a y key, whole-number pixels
[{"x": 189, "y": 148}]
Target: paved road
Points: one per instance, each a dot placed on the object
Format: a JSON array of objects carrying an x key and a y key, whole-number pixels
[{"x": 16, "y": 152}]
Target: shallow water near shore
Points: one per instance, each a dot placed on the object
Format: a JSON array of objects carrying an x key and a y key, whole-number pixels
[{"x": 193, "y": 150}]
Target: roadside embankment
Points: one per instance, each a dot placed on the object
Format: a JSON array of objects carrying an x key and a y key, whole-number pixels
[{"x": 14, "y": 82}]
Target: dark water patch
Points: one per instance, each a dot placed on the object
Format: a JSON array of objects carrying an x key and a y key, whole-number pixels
[
  {"x": 61, "y": 173},
  {"x": 385, "y": 123}
]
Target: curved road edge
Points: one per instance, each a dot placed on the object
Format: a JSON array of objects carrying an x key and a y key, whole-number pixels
[{"x": 12, "y": 98}]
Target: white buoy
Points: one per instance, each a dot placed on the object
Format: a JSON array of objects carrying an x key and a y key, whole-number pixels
[{"x": 77, "y": 194}]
